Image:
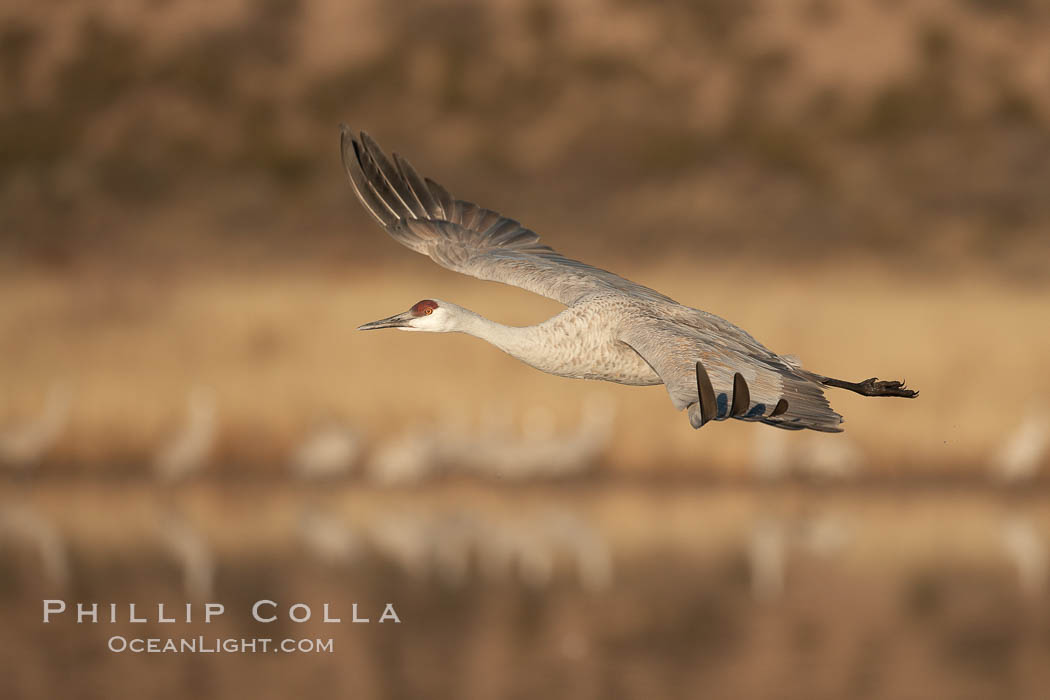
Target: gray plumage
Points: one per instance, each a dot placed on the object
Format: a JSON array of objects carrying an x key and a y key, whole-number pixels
[{"x": 613, "y": 329}]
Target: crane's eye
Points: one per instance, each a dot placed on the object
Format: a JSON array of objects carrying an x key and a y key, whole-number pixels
[{"x": 424, "y": 308}]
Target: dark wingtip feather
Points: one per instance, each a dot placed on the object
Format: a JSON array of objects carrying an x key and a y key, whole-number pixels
[
  {"x": 354, "y": 162},
  {"x": 431, "y": 208},
  {"x": 706, "y": 394},
  {"x": 741, "y": 396}
]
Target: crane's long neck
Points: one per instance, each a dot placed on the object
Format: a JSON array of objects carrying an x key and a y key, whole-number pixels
[{"x": 526, "y": 343}]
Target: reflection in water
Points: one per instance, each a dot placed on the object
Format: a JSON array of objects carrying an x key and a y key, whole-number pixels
[
  {"x": 1026, "y": 548},
  {"x": 329, "y": 538},
  {"x": 452, "y": 547},
  {"x": 189, "y": 547},
  {"x": 26, "y": 525}
]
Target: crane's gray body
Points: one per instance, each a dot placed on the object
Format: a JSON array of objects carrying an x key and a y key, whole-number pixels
[
  {"x": 613, "y": 329},
  {"x": 580, "y": 343}
]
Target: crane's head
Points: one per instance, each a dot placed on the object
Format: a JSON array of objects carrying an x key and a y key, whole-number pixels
[{"x": 426, "y": 315}]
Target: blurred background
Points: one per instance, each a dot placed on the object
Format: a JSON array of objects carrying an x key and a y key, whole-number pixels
[{"x": 186, "y": 413}]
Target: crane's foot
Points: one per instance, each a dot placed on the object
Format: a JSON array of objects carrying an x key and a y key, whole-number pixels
[{"x": 874, "y": 387}]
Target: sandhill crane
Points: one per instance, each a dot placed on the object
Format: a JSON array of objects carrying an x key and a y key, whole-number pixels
[
  {"x": 329, "y": 452},
  {"x": 188, "y": 450},
  {"x": 407, "y": 458},
  {"x": 1024, "y": 451},
  {"x": 613, "y": 329}
]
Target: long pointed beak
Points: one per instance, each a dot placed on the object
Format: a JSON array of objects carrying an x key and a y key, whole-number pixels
[{"x": 396, "y": 321}]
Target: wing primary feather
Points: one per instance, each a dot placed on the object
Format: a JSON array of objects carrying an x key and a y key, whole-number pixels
[
  {"x": 418, "y": 187},
  {"x": 443, "y": 198},
  {"x": 486, "y": 220},
  {"x": 708, "y": 406},
  {"x": 393, "y": 179},
  {"x": 521, "y": 237},
  {"x": 741, "y": 396},
  {"x": 377, "y": 183},
  {"x": 351, "y": 156},
  {"x": 469, "y": 214},
  {"x": 462, "y": 236},
  {"x": 502, "y": 231}
]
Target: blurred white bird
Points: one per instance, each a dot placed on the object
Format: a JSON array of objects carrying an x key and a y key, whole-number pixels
[
  {"x": 539, "y": 452},
  {"x": 329, "y": 452},
  {"x": 22, "y": 446},
  {"x": 189, "y": 449},
  {"x": 1025, "y": 450},
  {"x": 406, "y": 458}
]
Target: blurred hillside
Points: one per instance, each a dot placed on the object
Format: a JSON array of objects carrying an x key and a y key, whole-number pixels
[{"x": 911, "y": 132}]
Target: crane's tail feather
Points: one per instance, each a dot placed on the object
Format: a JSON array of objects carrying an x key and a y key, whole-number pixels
[{"x": 802, "y": 405}]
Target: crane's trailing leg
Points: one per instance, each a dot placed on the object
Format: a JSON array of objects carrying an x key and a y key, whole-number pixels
[{"x": 873, "y": 387}]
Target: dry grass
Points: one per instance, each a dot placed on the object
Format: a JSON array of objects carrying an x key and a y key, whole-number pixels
[{"x": 279, "y": 347}]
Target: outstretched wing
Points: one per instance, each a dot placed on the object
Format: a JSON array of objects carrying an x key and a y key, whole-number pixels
[
  {"x": 420, "y": 214},
  {"x": 674, "y": 348}
]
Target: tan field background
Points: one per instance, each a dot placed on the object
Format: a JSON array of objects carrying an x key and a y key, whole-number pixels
[
  {"x": 280, "y": 350},
  {"x": 862, "y": 184}
]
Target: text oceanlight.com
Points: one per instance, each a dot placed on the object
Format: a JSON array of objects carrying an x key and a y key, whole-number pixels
[{"x": 215, "y": 645}]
